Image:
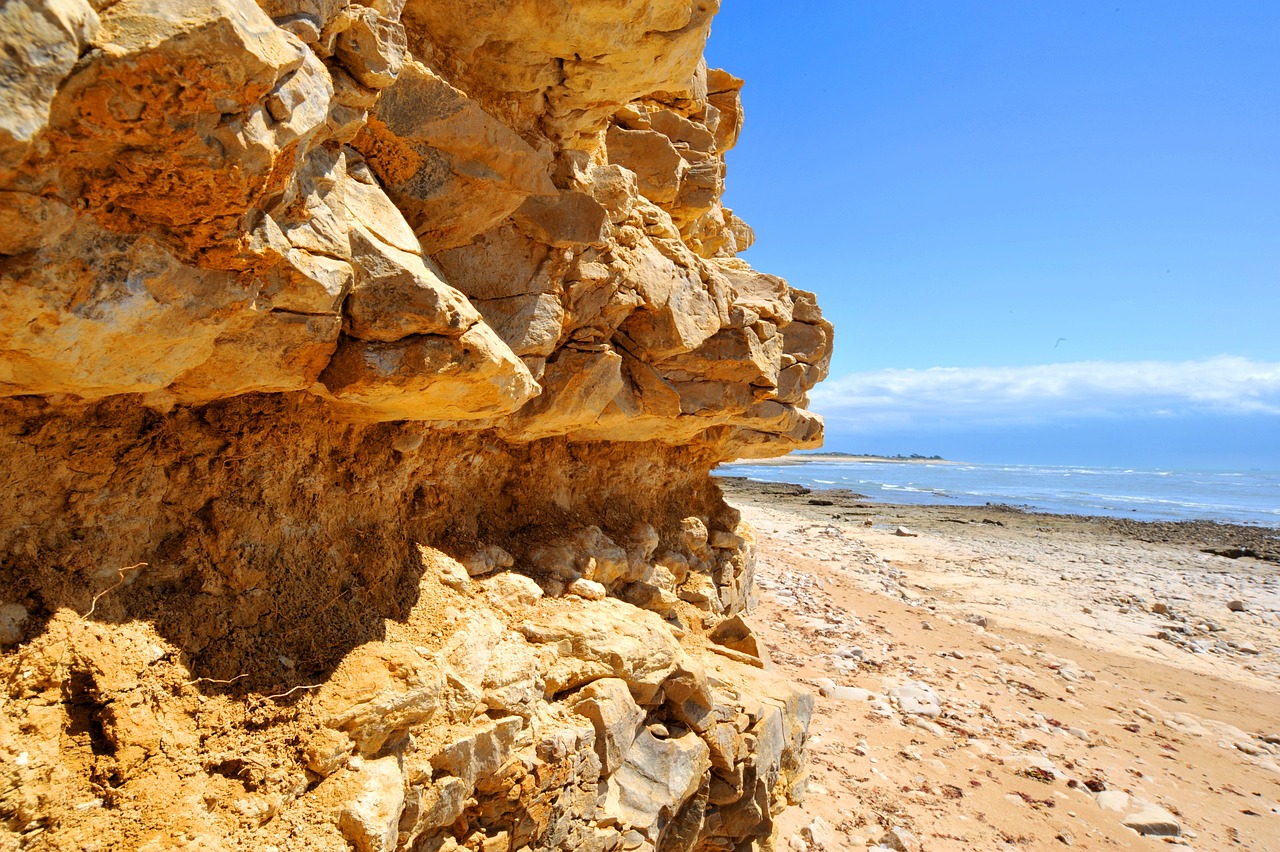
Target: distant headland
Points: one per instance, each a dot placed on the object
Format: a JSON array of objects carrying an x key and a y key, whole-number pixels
[{"x": 824, "y": 456}]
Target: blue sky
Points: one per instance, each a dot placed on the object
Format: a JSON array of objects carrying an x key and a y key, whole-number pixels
[{"x": 1024, "y": 215}]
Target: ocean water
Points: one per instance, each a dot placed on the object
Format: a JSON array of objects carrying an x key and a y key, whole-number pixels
[{"x": 1243, "y": 497}]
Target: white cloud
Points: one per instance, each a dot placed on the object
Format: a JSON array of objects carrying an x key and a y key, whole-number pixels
[{"x": 974, "y": 395}]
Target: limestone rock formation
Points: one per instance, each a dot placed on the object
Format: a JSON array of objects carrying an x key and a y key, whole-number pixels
[{"x": 361, "y": 370}]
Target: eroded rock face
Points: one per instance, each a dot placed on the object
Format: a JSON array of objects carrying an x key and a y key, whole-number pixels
[
  {"x": 361, "y": 369},
  {"x": 501, "y": 215}
]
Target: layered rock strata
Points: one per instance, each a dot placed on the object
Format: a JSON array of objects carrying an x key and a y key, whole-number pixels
[{"x": 361, "y": 369}]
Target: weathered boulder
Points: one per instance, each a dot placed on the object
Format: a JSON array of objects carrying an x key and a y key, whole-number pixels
[
  {"x": 569, "y": 68},
  {"x": 169, "y": 131},
  {"x": 616, "y": 717},
  {"x": 600, "y": 639},
  {"x": 45, "y": 40},
  {"x": 384, "y": 692},
  {"x": 656, "y": 780},
  {"x": 429, "y": 377},
  {"x": 72, "y": 324},
  {"x": 370, "y": 820},
  {"x": 480, "y": 753},
  {"x": 736, "y": 634},
  {"x": 1153, "y": 821},
  {"x": 454, "y": 170},
  {"x": 657, "y": 164}
]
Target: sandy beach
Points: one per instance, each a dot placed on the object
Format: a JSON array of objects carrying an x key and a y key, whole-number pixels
[{"x": 989, "y": 678}]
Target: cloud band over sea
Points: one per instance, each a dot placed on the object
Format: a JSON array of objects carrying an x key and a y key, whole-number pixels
[{"x": 886, "y": 399}]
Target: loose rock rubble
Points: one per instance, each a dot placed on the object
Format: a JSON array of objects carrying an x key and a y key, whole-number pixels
[{"x": 534, "y": 717}]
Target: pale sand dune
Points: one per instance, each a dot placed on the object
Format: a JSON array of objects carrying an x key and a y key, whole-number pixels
[{"x": 1067, "y": 686}]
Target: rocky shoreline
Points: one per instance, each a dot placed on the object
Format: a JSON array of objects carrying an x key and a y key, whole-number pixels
[
  {"x": 989, "y": 676},
  {"x": 1236, "y": 540}
]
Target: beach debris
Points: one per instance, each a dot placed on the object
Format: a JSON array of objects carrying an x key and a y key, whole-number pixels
[
  {"x": 1233, "y": 552},
  {"x": 995, "y": 690},
  {"x": 1037, "y": 773}
]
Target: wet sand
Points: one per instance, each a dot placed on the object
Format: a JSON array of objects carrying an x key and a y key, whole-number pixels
[{"x": 999, "y": 679}]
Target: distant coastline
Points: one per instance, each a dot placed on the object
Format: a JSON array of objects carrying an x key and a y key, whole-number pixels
[
  {"x": 803, "y": 458},
  {"x": 1239, "y": 497}
]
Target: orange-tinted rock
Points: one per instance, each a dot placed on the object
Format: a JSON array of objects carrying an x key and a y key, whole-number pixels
[{"x": 362, "y": 366}]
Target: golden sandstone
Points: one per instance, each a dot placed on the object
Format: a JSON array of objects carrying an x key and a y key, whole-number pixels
[{"x": 361, "y": 370}]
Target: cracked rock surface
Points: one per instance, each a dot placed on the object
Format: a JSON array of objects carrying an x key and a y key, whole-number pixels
[{"x": 361, "y": 370}]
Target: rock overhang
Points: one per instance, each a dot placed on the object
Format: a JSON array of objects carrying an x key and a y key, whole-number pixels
[{"x": 342, "y": 342}]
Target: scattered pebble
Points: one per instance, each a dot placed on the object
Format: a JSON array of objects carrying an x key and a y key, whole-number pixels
[
  {"x": 932, "y": 727},
  {"x": 1154, "y": 821},
  {"x": 851, "y": 693},
  {"x": 818, "y": 834},
  {"x": 918, "y": 699},
  {"x": 1113, "y": 800},
  {"x": 899, "y": 839},
  {"x": 586, "y": 589}
]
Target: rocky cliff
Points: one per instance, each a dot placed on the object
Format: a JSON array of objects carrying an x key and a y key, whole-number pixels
[{"x": 361, "y": 369}]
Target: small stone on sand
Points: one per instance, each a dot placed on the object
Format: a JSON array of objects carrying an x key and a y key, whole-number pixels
[{"x": 1154, "y": 821}]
